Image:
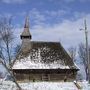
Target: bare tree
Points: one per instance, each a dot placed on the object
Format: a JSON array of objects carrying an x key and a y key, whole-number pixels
[
  {"x": 79, "y": 76},
  {"x": 17, "y": 49},
  {"x": 8, "y": 70},
  {"x": 1, "y": 75},
  {"x": 82, "y": 55},
  {"x": 6, "y": 38},
  {"x": 72, "y": 53}
]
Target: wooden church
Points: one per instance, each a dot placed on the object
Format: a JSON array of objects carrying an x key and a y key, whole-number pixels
[{"x": 42, "y": 61}]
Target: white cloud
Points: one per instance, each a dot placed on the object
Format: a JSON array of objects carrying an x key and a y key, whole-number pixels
[
  {"x": 23, "y": 1},
  {"x": 84, "y": 0},
  {"x": 64, "y": 0},
  {"x": 76, "y": 0},
  {"x": 70, "y": 1},
  {"x": 56, "y": 13},
  {"x": 79, "y": 14},
  {"x": 68, "y": 32},
  {"x": 37, "y": 16},
  {"x": 13, "y": 1}
]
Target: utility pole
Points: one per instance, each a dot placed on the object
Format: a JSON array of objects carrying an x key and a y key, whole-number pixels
[{"x": 87, "y": 49}]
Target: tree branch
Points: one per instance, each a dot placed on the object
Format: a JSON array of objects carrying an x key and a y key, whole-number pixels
[{"x": 11, "y": 74}]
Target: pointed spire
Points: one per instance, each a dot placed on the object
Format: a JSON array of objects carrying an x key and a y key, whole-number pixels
[
  {"x": 26, "y": 33},
  {"x": 26, "y": 22}
]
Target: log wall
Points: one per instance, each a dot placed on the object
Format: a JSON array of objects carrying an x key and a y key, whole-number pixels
[{"x": 44, "y": 77}]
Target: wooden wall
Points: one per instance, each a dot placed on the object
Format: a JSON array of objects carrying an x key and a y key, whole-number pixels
[{"x": 45, "y": 77}]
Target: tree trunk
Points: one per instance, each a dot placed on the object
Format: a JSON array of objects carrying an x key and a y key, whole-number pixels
[
  {"x": 8, "y": 53},
  {"x": 86, "y": 70},
  {"x": 11, "y": 75}
]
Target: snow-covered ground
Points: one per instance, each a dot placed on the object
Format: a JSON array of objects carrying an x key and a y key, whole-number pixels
[
  {"x": 49, "y": 86},
  {"x": 9, "y": 85},
  {"x": 84, "y": 85}
]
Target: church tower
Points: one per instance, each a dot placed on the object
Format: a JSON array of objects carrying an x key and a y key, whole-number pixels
[
  {"x": 26, "y": 33},
  {"x": 26, "y": 37}
]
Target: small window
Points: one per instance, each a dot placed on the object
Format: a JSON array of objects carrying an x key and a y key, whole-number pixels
[{"x": 45, "y": 77}]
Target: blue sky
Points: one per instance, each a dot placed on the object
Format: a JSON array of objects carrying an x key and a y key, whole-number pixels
[{"x": 50, "y": 20}]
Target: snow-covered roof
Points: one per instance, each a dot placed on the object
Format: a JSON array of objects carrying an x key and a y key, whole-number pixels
[
  {"x": 43, "y": 55},
  {"x": 27, "y": 63}
]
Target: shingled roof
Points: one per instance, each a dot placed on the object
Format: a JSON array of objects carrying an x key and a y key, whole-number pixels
[{"x": 41, "y": 55}]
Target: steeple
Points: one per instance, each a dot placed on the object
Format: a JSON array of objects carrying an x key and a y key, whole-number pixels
[{"x": 26, "y": 33}]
